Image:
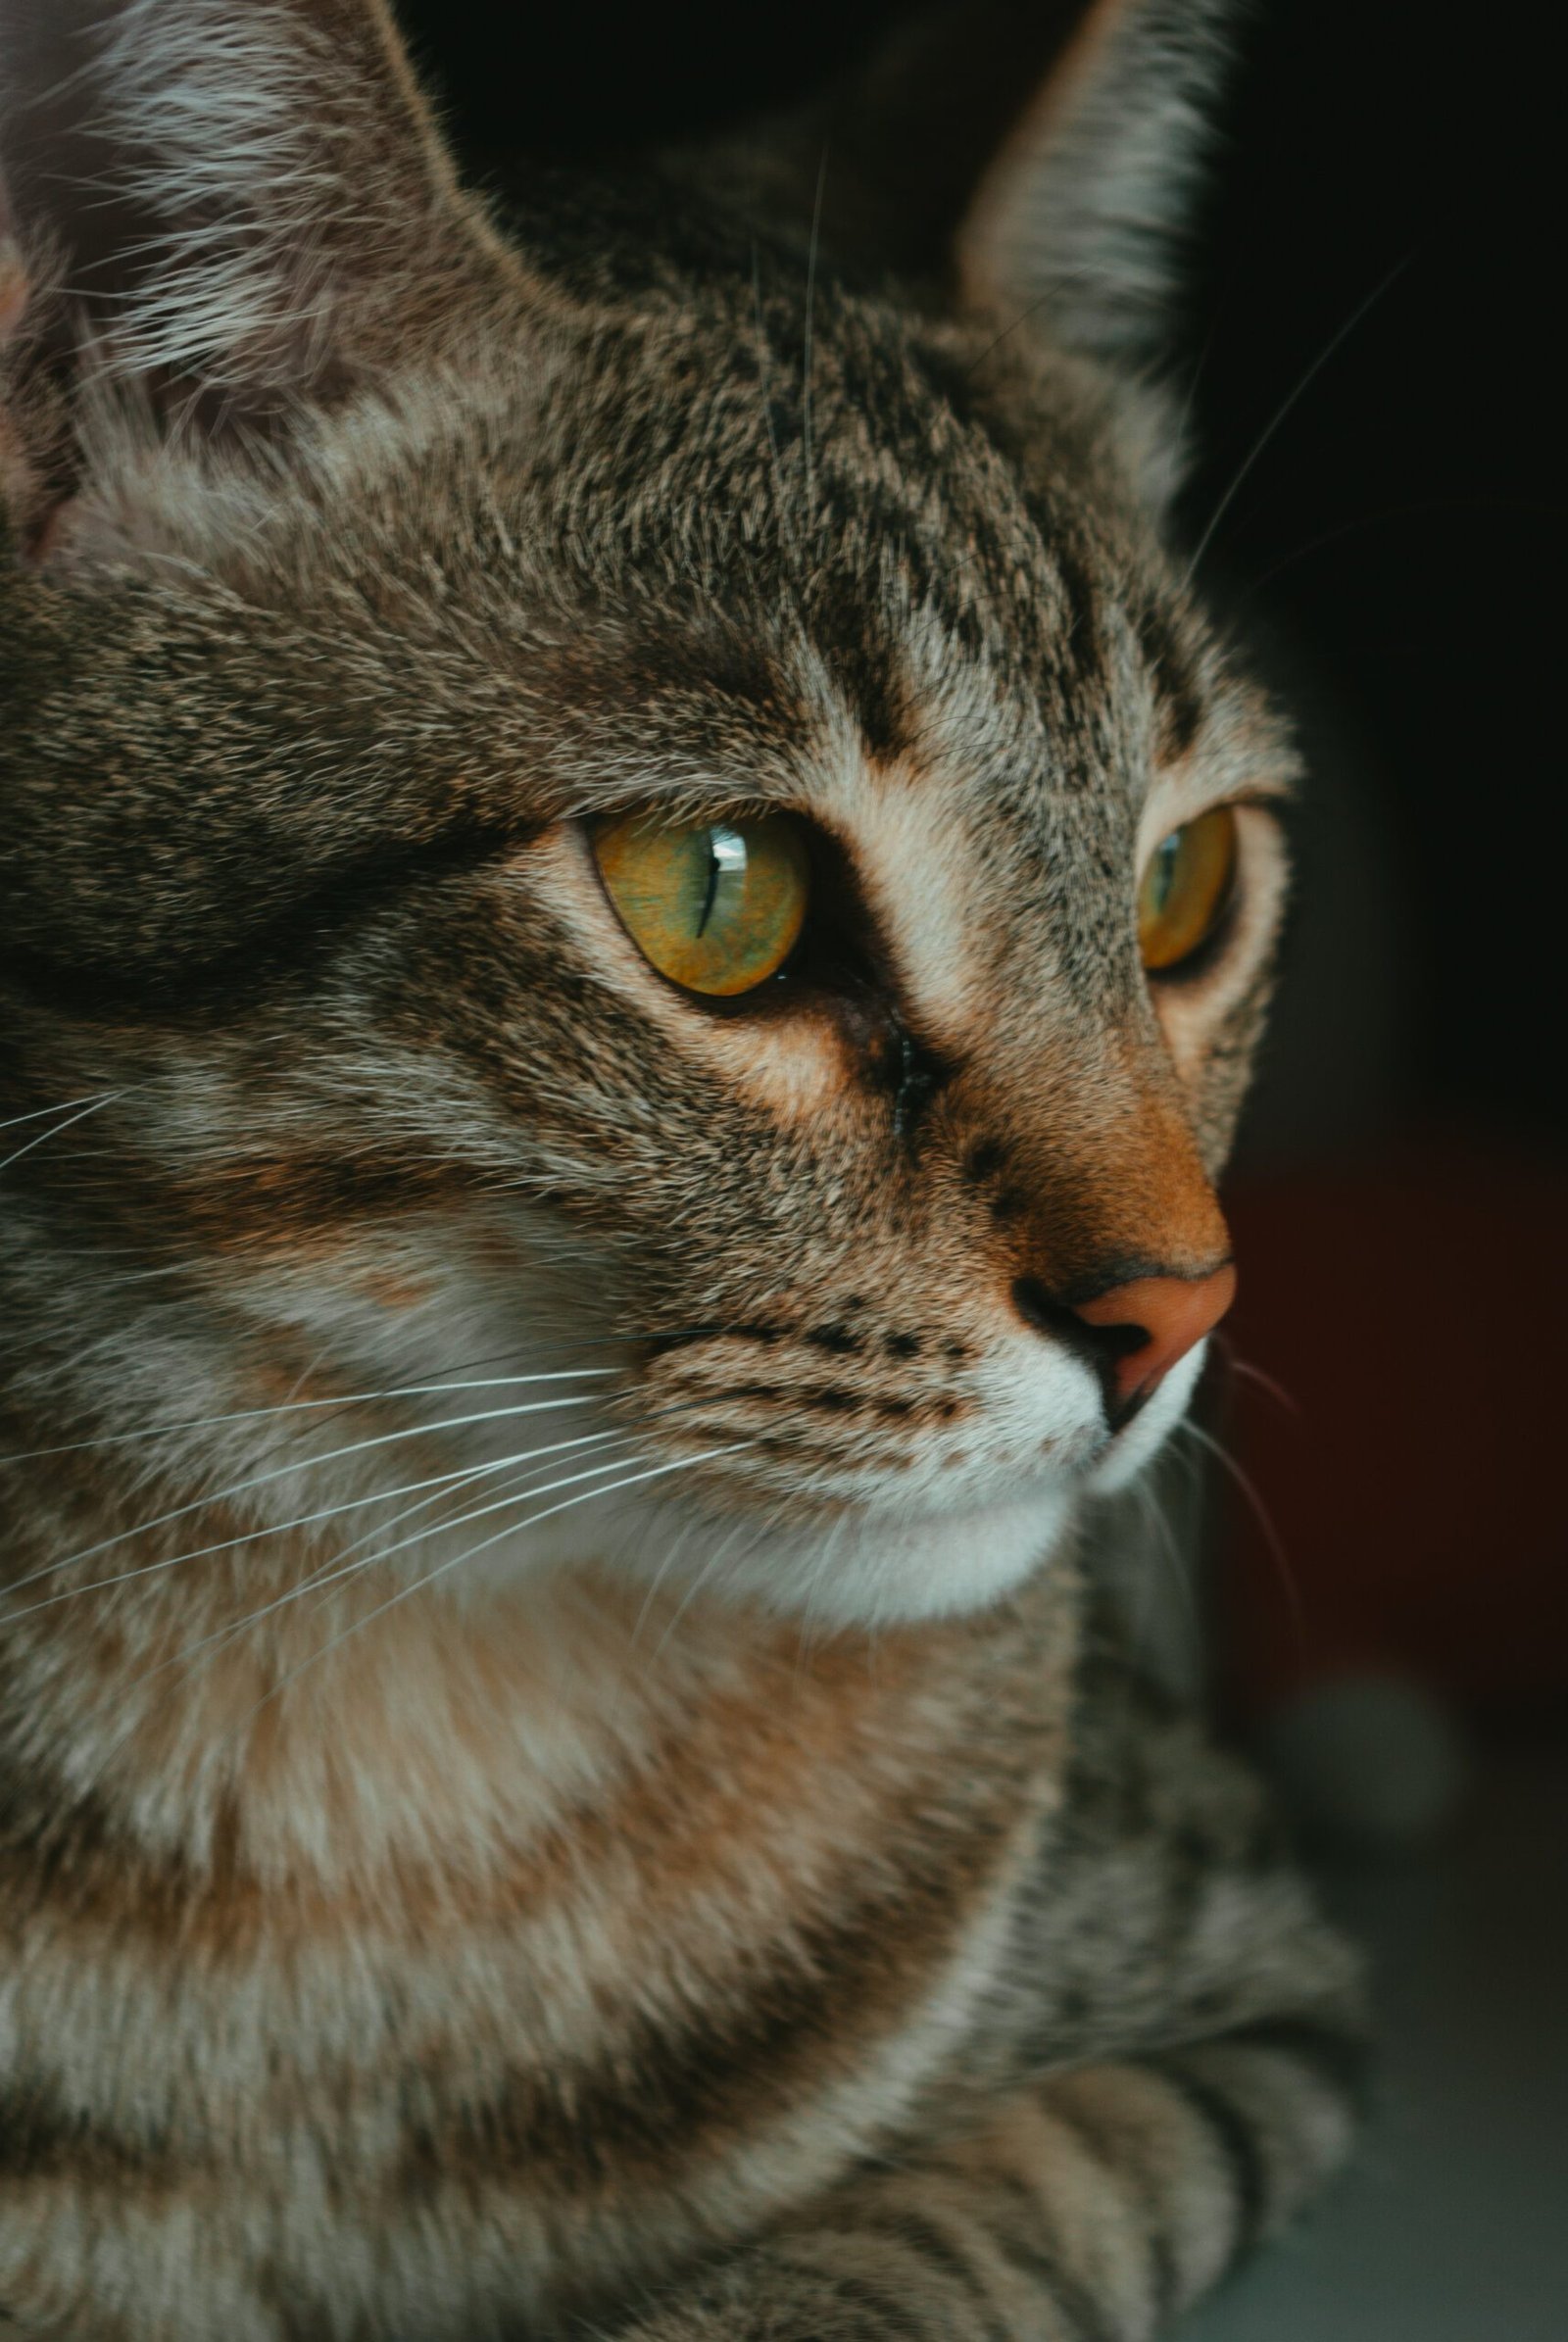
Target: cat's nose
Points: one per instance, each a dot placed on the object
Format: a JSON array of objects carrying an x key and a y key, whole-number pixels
[
  {"x": 1159, "y": 1319},
  {"x": 1133, "y": 1333}
]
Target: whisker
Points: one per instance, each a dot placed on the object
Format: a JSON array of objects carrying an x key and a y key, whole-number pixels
[
  {"x": 511, "y": 1528},
  {"x": 440, "y": 1481},
  {"x": 37, "y": 1113},
  {"x": 807, "y": 346},
  {"x": 704, "y": 1577},
  {"x": 1261, "y": 1512},
  {"x": 1058, "y": 278},
  {"x": 332, "y": 1572},
  {"x": 1419, "y": 507},
  {"x": 295, "y": 1406},
  {"x": 315, "y": 1582},
  {"x": 480, "y": 1512},
  {"x": 765, "y": 358},
  {"x": 1287, "y": 407},
  {"x": 96, "y": 1107},
  {"x": 672, "y": 1556},
  {"x": 457, "y": 1484},
  {"x": 258, "y": 1479},
  {"x": 1178, "y": 436},
  {"x": 1180, "y": 1574},
  {"x": 1244, "y": 1368}
]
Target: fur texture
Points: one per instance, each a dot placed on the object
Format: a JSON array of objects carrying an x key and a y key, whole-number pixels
[{"x": 558, "y": 1773}]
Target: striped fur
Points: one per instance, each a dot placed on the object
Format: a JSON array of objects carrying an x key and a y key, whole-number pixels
[{"x": 562, "y": 1772}]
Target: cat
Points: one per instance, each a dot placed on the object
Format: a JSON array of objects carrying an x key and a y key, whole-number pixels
[{"x": 636, "y": 903}]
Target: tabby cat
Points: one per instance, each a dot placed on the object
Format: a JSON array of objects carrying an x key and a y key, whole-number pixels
[{"x": 636, "y": 904}]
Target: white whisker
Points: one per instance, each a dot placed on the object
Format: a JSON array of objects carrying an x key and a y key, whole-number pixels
[
  {"x": 511, "y": 1528},
  {"x": 1261, "y": 1512},
  {"x": 97, "y": 1105},
  {"x": 461, "y": 1474},
  {"x": 1286, "y": 406},
  {"x": 258, "y": 1479},
  {"x": 293, "y": 1406},
  {"x": 338, "y": 1566},
  {"x": 37, "y": 1113},
  {"x": 1180, "y": 1574},
  {"x": 703, "y": 1576},
  {"x": 315, "y": 1584}
]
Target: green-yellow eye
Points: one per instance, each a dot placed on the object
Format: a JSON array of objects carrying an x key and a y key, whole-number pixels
[
  {"x": 716, "y": 906},
  {"x": 1186, "y": 888}
]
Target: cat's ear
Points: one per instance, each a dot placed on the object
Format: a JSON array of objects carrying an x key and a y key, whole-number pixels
[
  {"x": 236, "y": 206},
  {"x": 1028, "y": 154},
  {"x": 1085, "y": 204}
]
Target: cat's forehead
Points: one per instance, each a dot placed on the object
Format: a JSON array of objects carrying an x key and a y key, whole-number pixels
[
  {"x": 774, "y": 521},
  {"x": 851, "y": 439},
  {"x": 648, "y": 567}
]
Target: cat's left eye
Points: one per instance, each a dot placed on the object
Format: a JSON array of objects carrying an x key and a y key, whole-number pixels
[
  {"x": 717, "y": 906},
  {"x": 1186, "y": 889}
]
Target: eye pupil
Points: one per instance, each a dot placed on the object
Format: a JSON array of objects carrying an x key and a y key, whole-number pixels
[
  {"x": 1162, "y": 871},
  {"x": 711, "y": 889},
  {"x": 726, "y": 858}
]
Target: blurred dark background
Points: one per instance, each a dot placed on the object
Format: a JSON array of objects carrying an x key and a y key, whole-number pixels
[{"x": 1369, "y": 336}]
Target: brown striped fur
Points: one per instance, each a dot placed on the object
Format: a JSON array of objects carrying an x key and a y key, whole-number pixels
[{"x": 561, "y": 1769}]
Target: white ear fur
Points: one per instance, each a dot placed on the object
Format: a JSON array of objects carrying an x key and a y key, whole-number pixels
[
  {"x": 1081, "y": 212},
  {"x": 211, "y": 105},
  {"x": 246, "y": 193}
]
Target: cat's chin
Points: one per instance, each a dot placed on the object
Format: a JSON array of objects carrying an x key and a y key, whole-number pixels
[
  {"x": 875, "y": 1572},
  {"x": 860, "y": 1569}
]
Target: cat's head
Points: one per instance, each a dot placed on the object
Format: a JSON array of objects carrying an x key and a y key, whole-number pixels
[{"x": 643, "y": 801}]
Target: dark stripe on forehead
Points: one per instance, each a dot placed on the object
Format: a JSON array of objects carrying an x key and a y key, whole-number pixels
[
  {"x": 1179, "y": 695},
  {"x": 1081, "y": 599},
  {"x": 861, "y": 653}
]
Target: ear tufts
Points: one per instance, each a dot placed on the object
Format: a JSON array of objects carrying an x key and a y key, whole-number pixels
[
  {"x": 249, "y": 194},
  {"x": 207, "y": 107},
  {"x": 291, "y": 182}
]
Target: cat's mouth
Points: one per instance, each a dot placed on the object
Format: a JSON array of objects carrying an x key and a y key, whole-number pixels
[
  {"x": 886, "y": 1565},
  {"x": 878, "y": 1547}
]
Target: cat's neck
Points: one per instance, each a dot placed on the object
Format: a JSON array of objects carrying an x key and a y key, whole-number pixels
[
  {"x": 337, "y": 1742},
  {"x": 228, "y": 1713}
]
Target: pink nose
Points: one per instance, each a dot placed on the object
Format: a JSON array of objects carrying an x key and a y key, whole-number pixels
[{"x": 1170, "y": 1315}]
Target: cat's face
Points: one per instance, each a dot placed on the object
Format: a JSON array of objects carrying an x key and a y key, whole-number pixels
[{"x": 393, "y": 763}]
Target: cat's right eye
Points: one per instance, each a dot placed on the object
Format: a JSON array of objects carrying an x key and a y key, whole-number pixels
[{"x": 717, "y": 906}]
